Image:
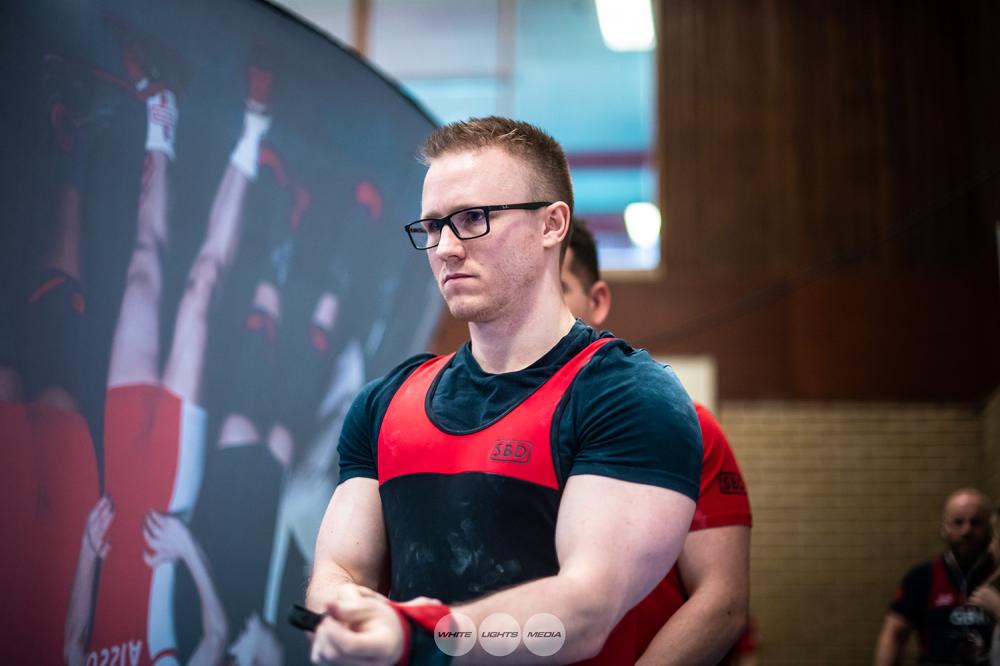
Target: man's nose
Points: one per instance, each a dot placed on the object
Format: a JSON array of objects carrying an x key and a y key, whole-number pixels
[{"x": 449, "y": 244}]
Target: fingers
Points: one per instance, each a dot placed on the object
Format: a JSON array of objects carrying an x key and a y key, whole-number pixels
[
  {"x": 98, "y": 521},
  {"x": 97, "y": 545},
  {"x": 151, "y": 526},
  {"x": 105, "y": 514},
  {"x": 153, "y": 557},
  {"x": 159, "y": 527},
  {"x": 337, "y": 643},
  {"x": 151, "y": 534},
  {"x": 155, "y": 520},
  {"x": 361, "y": 631},
  {"x": 985, "y": 597},
  {"x": 355, "y": 612},
  {"x": 103, "y": 507},
  {"x": 980, "y": 593},
  {"x": 164, "y": 535},
  {"x": 349, "y": 610},
  {"x": 324, "y": 647}
]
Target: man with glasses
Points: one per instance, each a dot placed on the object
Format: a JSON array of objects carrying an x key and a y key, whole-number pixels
[{"x": 543, "y": 472}]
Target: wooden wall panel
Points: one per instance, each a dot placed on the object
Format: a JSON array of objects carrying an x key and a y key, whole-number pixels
[
  {"x": 798, "y": 133},
  {"x": 830, "y": 178}
]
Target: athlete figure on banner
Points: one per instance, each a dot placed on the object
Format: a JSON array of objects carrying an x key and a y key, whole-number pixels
[
  {"x": 276, "y": 378},
  {"x": 154, "y": 420},
  {"x": 48, "y": 463}
]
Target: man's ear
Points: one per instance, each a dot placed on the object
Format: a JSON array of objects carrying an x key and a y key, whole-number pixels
[
  {"x": 556, "y": 224},
  {"x": 600, "y": 302}
]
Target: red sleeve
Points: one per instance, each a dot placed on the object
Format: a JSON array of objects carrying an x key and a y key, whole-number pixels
[
  {"x": 746, "y": 644},
  {"x": 723, "y": 499}
]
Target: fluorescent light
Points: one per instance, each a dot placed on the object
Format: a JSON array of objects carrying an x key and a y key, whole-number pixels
[
  {"x": 626, "y": 25},
  {"x": 642, "y": 222}
]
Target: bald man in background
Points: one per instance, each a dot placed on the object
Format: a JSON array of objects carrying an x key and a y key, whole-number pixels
[
  {"x": 697, "y": 612},
  {"x": 934, "y": 597}
]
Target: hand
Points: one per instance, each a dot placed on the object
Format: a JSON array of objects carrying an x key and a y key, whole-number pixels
[
  {"x": 988, "y": 598},
  {"x": 98, "y": 521},
  {"x": 167, "y": 538},
  {"x": 256, "y": 644},
  {"x": 358, "y": 631}
]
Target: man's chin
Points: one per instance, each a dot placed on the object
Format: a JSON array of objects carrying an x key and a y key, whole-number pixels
[
  {"x": 968, "y": 552},
  {"x": 468, "y": 312},
  {"x": 465, "y": 315}
]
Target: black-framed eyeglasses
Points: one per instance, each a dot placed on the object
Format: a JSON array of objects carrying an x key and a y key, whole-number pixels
[{"x": 466, "y": 224}]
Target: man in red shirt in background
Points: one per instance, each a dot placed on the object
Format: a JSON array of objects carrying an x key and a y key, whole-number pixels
[{"x": 696, "y": 614}]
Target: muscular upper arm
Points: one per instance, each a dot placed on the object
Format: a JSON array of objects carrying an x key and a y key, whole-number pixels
[
  {"x": 717, "y": 559},
  {"x": 619, "y": 538},
  {"x": 352, "y": 537}
]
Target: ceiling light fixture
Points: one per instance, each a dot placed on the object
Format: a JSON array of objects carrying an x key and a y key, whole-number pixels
[
  {"x": 642, "y": 222},
  {"x": 626, "y": 25}
]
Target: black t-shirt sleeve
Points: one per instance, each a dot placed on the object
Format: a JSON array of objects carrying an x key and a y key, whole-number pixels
[
  {"x": 632, "y": 420},
  {"x": 911, "y": 595},
  {"x": 355, "y": 448},
  {"x": 359, "y": 434}
]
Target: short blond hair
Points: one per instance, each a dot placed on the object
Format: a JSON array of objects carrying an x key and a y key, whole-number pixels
[{"x": 518, "y": 139}]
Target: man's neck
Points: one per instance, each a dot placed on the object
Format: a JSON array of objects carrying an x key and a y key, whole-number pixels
[
  {"x": 511, "y": 344},
  {"x": 970, "y": 561}
]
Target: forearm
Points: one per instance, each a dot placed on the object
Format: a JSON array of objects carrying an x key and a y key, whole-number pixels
[
  {"x": 887, "y": 655},
  {"x": 701, "y": 632},
  {"x": 211, "y": 647},
  {"x": 587, "y": 615},
  {"x": 78, "y": 616},
  {"x": 888, "y": 650},
  {"x": 351, "y": 544},
  {"x": 324, "y": 585}
]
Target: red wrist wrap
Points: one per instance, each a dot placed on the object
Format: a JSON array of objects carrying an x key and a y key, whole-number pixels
[{"x": 425, "y": 616}]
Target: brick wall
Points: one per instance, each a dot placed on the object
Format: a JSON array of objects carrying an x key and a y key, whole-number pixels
[
  {"x": 991, "y": 445},
  {"x": 845, "y": 497}
]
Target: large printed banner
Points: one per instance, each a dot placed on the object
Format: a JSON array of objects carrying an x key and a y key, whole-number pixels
[{"x": 201, "y": 262}]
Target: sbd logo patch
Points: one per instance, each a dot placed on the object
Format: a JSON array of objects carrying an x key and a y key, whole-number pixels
[
  {"x": 731, "y": 483},
  {"x": 511, "y": 450}
]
